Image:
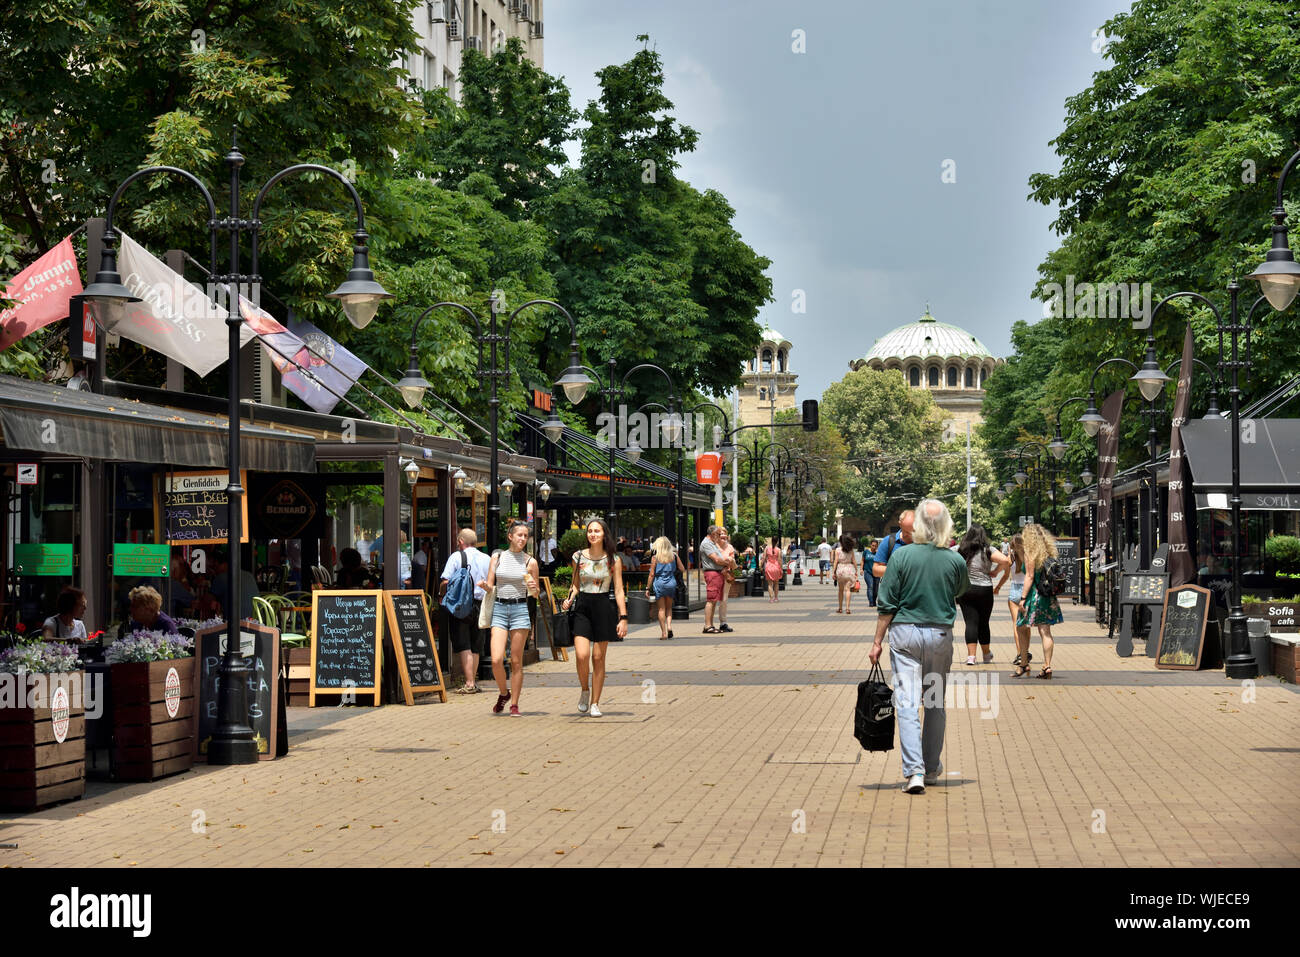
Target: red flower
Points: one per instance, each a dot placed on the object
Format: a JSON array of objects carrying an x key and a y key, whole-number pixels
[{"x": 20, "y": 628}]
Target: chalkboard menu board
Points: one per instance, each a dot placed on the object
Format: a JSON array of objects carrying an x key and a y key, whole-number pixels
[
  {"x": 414, "y": 644},
  {"x": 1182, "y": 634},
  {"x": 347, "y": 639},
  {"x": 192, "y": 508},
  {"x": 1067, "y": 550},
  {"x": 265, "y": 704}
]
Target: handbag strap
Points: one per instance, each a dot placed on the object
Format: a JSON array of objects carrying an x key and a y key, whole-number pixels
[{"x": 876, "y": 673}]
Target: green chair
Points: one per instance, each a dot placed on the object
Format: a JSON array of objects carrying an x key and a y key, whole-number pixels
[{"x": 269, "y": 610}]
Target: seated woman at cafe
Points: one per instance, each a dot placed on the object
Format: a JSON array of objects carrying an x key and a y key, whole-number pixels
[
  {"x": 66, "y": 623},
  {"x": 351, "y": 574},
  {"x": 147, "y": 614}
]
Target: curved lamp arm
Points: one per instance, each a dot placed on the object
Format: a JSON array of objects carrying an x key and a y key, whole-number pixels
[
  {"x": 574, "y": 381},
  {"x": 413, "y": 384}
]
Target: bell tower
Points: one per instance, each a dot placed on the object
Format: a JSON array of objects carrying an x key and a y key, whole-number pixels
[{"x": 767, "y": 382}]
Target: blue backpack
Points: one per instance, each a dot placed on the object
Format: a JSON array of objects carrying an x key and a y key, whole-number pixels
[{"x": 459, "y": 600}]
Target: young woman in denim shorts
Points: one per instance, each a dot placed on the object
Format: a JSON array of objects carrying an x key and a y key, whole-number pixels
[
  {"x": 1015, "y": 597},
  {"x": 513, "y": 575}
]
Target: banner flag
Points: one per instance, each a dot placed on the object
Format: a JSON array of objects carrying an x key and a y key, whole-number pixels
[
  {"x": 42, "y": 291},
  {"x": 326, "y": 371},
  {"x": 1182, "y": 569},
  {"x": 285, "y": 350},
  {"x": 1107, "y": 460},
  {"x": 174, "y": 317}
]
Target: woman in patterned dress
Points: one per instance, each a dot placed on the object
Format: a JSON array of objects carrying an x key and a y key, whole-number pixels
[{"x": 1039, "y": 607}]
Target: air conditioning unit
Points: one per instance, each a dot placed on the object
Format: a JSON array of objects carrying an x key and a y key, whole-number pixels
[
  {"x": 525, "y": 11},
  {"x": 437, "y": 11},
  {"x": 474, "y": 43},
  {"x": 514, "y": 6},
  {"x": 537, "y": 29},
  {"x": 453, "y": 30}
]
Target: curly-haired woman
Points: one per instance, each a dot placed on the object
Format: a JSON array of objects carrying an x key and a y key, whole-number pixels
[{"x": 1039, "y": 609}]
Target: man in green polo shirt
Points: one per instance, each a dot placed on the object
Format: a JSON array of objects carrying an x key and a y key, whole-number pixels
[{"x": 918, "y": 605}]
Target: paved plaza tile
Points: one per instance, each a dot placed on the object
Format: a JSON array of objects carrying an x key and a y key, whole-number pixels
[{"x": 737, "y": 750}]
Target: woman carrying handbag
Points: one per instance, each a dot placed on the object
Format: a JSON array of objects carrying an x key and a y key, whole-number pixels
[
  {"x": 594, "y": 623},
  {"x": 847, "y": 571}
]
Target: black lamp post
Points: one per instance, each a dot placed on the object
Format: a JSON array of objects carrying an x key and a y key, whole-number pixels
[
  {"x": 360, "y": 296},
  {"x": 574, "y": 382}
]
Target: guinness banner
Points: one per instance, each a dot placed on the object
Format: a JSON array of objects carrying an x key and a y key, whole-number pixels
[
  {"x": 1107, "y": 460},
  {"x": 1182, "y": 569}
]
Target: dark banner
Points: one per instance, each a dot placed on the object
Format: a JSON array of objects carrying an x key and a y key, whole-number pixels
[
  {"x": 1107, "y": 461},
  {"x": 286, "y": 507},
  {"x": 1182, "y": 569}
]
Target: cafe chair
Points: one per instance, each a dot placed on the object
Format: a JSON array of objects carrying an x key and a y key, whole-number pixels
[{"x": 270, "y": 610}]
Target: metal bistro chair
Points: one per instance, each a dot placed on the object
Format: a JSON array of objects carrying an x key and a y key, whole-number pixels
[{"x": 274, "y": 611}]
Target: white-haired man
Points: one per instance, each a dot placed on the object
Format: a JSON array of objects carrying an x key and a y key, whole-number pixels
[{"x": 918, "y": 605}]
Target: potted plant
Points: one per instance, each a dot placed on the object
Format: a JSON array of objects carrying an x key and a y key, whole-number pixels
[
  {"x": 42, "y": 726},
  {"x": 154, "y": 703},
  {"x": 573, "y": 540},
  {"x": 1284, "y": 551}
]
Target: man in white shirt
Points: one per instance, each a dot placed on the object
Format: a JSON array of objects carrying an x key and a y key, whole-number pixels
[
  {"x": 824, "y": 559},
  {"x": 546, "y": 554},
  {"x": 466, "y": 636}
]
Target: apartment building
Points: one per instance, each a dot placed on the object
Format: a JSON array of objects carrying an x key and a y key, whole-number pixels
[{"x": 448, "y": 27}]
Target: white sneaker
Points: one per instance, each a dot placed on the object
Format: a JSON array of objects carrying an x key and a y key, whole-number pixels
[
  {"x": 915, "y": 785},
  {"x": 934, "y": 778},
  {"x": 595, "y": 710},
  {"x": 582, "y": 701}
]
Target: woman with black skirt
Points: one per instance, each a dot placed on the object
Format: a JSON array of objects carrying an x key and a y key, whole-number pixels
[
  {"x": 594, "y": 622},
  {"x": 977, "y": 603}
]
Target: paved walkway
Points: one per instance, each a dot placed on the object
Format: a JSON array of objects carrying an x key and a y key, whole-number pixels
[{"x": 738, "y": 750}]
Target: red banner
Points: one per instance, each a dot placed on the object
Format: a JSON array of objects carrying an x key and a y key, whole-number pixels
[
  {"x": 1182, "y": 569},
  {"x": 42, "y": 291}
]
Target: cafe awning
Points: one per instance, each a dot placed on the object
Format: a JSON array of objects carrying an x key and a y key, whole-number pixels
[
  {"x": 53, "y": 419},
  {"x": 1270, "y": 462}
]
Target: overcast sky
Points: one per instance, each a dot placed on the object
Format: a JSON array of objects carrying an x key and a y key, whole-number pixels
[{"x": 834, "y": 158}]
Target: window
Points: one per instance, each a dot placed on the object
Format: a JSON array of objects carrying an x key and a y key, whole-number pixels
[
  {"x": 780, "y": 359},
  {"x": 914, "y": 377},
  {"x": 767, "y": 360},
  {"x": 952, "y": 377},
  {"x": 970, "y": 378},
  {"x": 751, "y": 365},
  {"x": 762, "y": 395},
  {"x": 431, "y": 73},
  {"x": 984, "y": 374},
  {"x": 934, "y": 377}
]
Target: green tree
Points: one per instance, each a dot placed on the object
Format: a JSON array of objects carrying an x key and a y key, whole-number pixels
[{"x": 1169, "y": 162}]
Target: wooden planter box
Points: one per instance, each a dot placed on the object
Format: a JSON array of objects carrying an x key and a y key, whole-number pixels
[
  {"x": 297, "y": 673},
  {"x": 149, "y": 741},
  {"x": 36, "y": 769}
]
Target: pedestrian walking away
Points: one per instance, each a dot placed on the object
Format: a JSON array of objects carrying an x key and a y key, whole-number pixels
[
  {"x": 661, "y": 587},
  {"x": 772, "y": 568},
  {"x": 977, "y": 603},
  {"x": 918, "y": 605},
  {"x": 1039, "y": 609},
  {"x": 467, "y": 638},
  {"x": 1015, "y": 594},
  {"x": 596, "y": 572},
  {"x": 847, "y": 572},
  {"x": 513, "y": 575},
  {"x": 824, "y": 552}
]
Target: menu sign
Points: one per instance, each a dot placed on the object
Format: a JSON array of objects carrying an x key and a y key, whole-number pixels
[
  {"x": 1067, "y": 550},
  {"x": 1182, "y": 634},
  {"x": 347, "y": 635},
  {"x": 265, "y": 703},
  {"x": 1139, "y": 589},
  {"x": 411, "y": 634},
  {"x": 194, "y": 509},
  {"x": 1143, "y": 589}
]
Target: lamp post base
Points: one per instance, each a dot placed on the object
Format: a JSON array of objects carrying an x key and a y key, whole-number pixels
[
  {"x": 681, "y": 613},
  {"x": 232, "y": 741},
  {"x": 1240, "y": 664}
]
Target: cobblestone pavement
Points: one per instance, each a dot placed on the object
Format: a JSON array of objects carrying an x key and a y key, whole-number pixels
[{"x": 737, "y": 749}]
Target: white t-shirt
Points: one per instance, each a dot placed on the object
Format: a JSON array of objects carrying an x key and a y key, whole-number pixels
[
  {"x": 546, "y": 553},
  {"x": 824, "y": 551},
  {"x": 478, "y": 568},
  {"x": 62, "y": 632}
]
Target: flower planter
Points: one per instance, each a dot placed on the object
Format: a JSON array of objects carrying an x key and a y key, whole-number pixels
[
  {"x": 153, "y": 718},
  {"x": 38, "y": 769}
]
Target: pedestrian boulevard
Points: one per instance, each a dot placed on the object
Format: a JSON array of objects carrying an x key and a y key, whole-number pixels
[{"x": 737, "y": 750}]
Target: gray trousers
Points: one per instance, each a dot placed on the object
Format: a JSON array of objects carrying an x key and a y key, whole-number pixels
[{"x": 919, "y": 658}]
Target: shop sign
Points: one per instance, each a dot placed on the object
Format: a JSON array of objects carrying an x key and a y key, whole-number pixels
[
  {"x": 60, "y": 714},
  {"x": 141, "y": 561},
  {"x": 27, "y": 472},
  {"x": 43, "y": 559},
  {"x": 286, "y": 509},
  {"x": 172, "y": 692}
]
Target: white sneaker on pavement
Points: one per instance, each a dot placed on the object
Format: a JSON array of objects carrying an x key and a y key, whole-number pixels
[
  {"x": 583, "y": 700},
  {"x": 915, "y": 784},
  {"x": 595, "y": 710}
]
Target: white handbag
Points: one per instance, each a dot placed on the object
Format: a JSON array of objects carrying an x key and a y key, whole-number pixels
[{"x": 485, "y": 611}]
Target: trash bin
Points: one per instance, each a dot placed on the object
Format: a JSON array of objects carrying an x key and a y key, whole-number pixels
[{"x": 638, "y": 609}]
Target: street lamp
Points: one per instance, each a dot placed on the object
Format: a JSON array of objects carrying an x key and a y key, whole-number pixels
[
  {"x": 1279, "y": 274},
  {"x": 359, "y": 295}
]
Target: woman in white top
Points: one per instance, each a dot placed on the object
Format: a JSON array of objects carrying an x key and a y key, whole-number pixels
[
  {"x": 1015, "y": 570},
  {"x": 513, "y": 574},
  {"x": 847, "y": 571},
  {"x": 67, "y": 625}
]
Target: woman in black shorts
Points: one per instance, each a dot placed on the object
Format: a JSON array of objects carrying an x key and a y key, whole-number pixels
[{"x": 595, "y": 623}]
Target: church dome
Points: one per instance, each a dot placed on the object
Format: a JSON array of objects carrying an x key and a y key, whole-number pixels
[
  {"x": 923, "y": 339},
  {"x": 771, "y": 335}
]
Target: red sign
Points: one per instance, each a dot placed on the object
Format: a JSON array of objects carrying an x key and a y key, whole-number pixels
[
  {"x": 541, "y": 400},
  {"x": 42, "y": 291},
  {"x": 707, "y": 467}
]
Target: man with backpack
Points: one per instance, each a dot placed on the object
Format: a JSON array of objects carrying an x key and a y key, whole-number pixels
[
  {"x": 892, "y": 543},
  {"x": 463, "y": 579}
]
